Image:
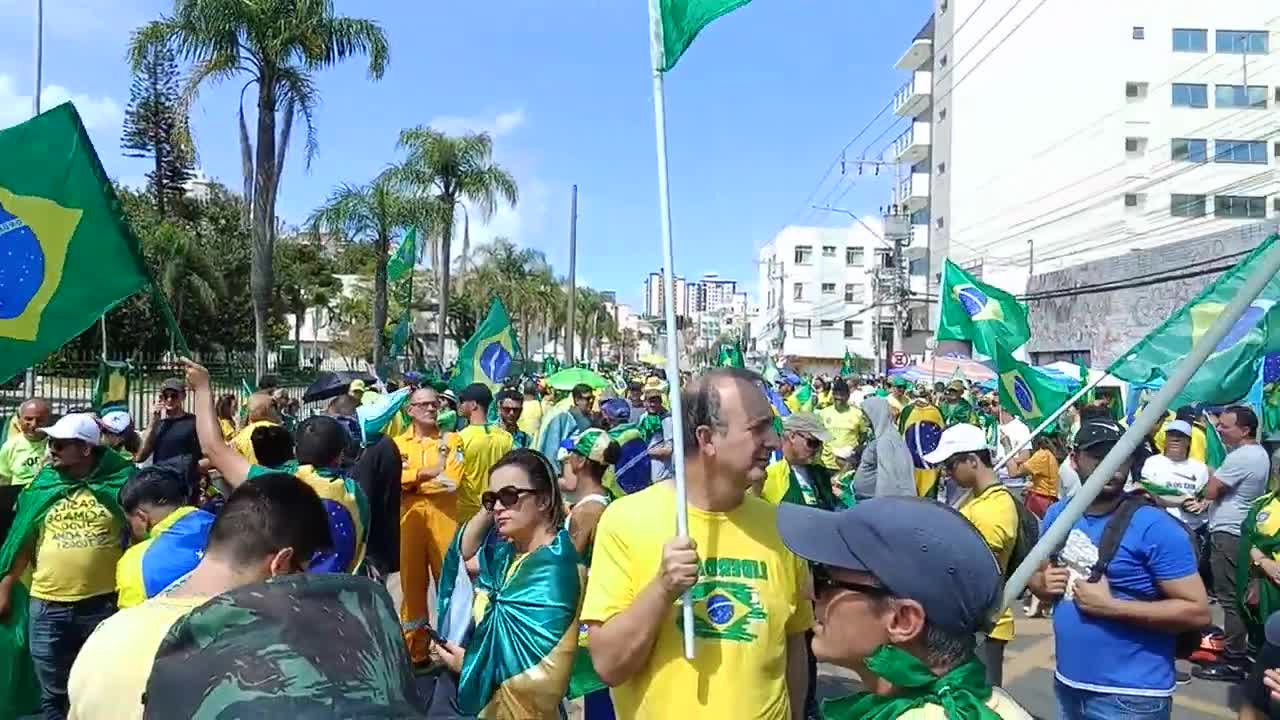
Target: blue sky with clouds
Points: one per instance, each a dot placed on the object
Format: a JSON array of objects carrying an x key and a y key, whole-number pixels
[{"x": 757, "y": 109}]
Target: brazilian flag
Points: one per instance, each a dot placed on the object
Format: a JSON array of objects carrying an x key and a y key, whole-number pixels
[
  {"x": 112, "y": 386},
  {"x": 68, "y": 255},
  {"x": 490, "y": 353}
]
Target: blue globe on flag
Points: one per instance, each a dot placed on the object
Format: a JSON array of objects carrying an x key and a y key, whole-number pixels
[
  {"x": 495, "y": 361},
  {"x": 719, "y": 609},
  {"x": 21, "y": 265},
  {"x": 923, "y": 438},
  {"x": 1251, "y": 319},
  {"x": 973, "y": 300},
  {"x": 1022, "y": 395}
]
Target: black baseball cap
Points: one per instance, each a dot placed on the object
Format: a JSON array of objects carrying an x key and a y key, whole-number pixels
[
  {"x": 915, "y": 547},
  {"x": 173, "y": 384},
  {"x": 1098, "y": 431}
]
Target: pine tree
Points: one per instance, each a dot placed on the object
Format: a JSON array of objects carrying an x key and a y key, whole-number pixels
[{"x": 154, "y": 127}]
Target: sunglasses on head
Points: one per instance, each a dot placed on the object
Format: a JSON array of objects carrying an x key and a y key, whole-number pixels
[
  {"x": 823, "y": 583},
  {"x": 509, "y": 496}
]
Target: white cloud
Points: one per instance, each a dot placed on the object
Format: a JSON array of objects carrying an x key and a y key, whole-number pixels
[
  {"x": 499, "y": 125},
  {"x": 100, "y": 113},
  {"x": 516, "y": 224}
]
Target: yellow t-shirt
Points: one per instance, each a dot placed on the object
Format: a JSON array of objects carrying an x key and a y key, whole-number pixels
[
  {"x": 228, "y": 429},
  {"x": 418, "y": 452},
  {"x": 993, "y": 513},
  {"x": 21, "y": 459},
  {"x": 752, "y": 594},
  {"x": 482, "y": 447},
  {"x": 531, "y": 418},
  {"x": 999, "y": 702},
  {"x": 1044, "y": 473},
  {"x": 846, "y": 430},
  {"x": 111, "y": 671},
  {"x": 1268, "y": 522},
  {"x": 77, "y": 548},
  {"x": 243, "y": 441}
]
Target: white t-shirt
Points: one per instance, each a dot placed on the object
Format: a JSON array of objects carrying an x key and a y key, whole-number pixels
[
  {"x": 1187, "y": 477},
  {"x": 1012, "y": 434}
]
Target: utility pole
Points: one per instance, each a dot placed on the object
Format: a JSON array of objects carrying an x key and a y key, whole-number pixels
[
  {"x": 1031, "y": 257},
  {"x": 592, "y": 337},
  {"x": 573, "y": 278},
  {"x": 782, "y": 322}
]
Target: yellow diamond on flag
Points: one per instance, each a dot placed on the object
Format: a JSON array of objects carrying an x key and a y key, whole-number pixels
[
  {"x": 1021, "y": 393},
  {"x": 1247, "y": 329},
  {"x": 34, "y": 235},
  {"x": 976, "y": 303}
]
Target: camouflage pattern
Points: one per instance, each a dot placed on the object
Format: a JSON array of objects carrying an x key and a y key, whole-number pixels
[{"x": 296, "y": 647}]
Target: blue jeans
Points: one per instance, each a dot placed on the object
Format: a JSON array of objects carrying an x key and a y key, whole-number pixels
[
  {"x": 57, "y": 631},
  {"x": 1076, "y": 704}
]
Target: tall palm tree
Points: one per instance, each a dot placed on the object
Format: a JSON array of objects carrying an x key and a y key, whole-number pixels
[
  {"x": 453, "y": 170},
  {"x": 278, "y": 45},
  {"x": 187, "y": 272},
  {"x": 375, "y": 213}
]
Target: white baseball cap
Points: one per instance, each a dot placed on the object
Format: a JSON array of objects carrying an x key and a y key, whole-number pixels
[
  {"x": 76, "y": 426},
  {"x": 116, "y": 421},
  {"x": 1179, "y": 426},
  {"x": 957, "y": 439}
]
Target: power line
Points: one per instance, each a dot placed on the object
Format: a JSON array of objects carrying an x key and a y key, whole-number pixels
[
  {"x": 840, "y": 155},
  {"x": 991, "y": 52}
]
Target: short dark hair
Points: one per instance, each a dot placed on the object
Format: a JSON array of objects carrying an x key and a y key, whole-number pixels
[
  {"x": 983, "y": 456},
  {"x": 1245, "y": 416},
  {"x": 840, "y": 386},
  {"x": 582, "y": 390},
  {"x": 1096, "y": 412},
  {"x": 267, "y": 514},
  {"x": 320, "y": 441},
  {"x": 700, "y": 401},
  {"x": 160, "y": 485},
  {"x": 268, "y": 383},
  {"x": 542, "y": 478},
  {"x": 272, "y": 445},
  {"x": 510, "y": 394},
  {"x": 343, "y": 405}
]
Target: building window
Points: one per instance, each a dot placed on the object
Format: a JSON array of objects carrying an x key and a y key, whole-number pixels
[
  {"x": 801, "y": 328},
  {"x": 1239, "y": 206},
  {"x": 941, "y": 222},
  {"x": 942, "y": 7},
  {"x": 828, "y": 251},
  {"x": 853, "y": 329},
  {"x": 1139, "y": 32},
  {"x": 827, "y": 324},
  {"x": 943, "y": 63},
  {"x": 918, "y": 267},
  {"x": 921, "y": 216},
  {"x": 1241, "y": 42},
  {"x": 1187, "y": 205},
  {"x": 1277, "y": 149},
  {"x": 1190, "y": 149},
  {"x": 1252, "y": 152},
  {"x": 804, "y": 254},
  {"x": 797, "y": 291},
  {"x": 828, "y": 288},
  {"x": 854, "y": 256},
  {"x": 1185, "y": 40},
  {"x": 1234, "y": 96},
  {"x": 1135, "y": 90},
  {"x": 853, "y": 293},
  {"x": 1132, "y": 200},
  {"x": 1135, "y": 147},
  {"x": 1190, "y": 95}
]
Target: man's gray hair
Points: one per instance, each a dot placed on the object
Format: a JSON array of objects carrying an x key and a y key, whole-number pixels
[{"x": 700, "y": 401}]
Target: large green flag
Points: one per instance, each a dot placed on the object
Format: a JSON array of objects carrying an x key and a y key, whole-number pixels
[
  {"x": 846, "y": 365},
  {"x": 1026, "y": 391},
  {"x": 983, "y": 315},
  {"x": 1232, "y": 369},
  {"x": 682, "y": 20},
  {"x": 406, "y": 256},
  {"x": 487, "y": 357},
  {"x": 731, "y": 356},
  {"x": 69, "y": 256}
]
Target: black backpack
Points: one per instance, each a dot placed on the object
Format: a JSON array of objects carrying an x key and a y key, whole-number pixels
[{"x": 1028, "y": 534}]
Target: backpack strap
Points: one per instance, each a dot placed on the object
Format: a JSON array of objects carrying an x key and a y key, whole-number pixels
[{"x": 1113, "y": 533}]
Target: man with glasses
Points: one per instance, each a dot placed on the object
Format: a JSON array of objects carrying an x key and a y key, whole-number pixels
[
  {"x": 798, "y": 477},
  {"x": 171, "y": 434},
  {"x": 902, "y": 585},
  {"x": 510, "y": 407}
]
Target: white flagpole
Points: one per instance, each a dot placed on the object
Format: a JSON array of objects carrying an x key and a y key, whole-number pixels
[{"x": 669, "y": 302}]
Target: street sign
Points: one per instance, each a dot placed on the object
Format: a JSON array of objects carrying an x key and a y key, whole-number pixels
[{"x": 898, "y": 359}]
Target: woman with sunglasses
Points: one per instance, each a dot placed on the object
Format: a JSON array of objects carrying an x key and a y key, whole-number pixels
[{"x": 527, "y": 588}]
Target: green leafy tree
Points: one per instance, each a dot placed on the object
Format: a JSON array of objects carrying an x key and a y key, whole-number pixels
[
  {"x": 155, "y": 127},
  {"x": 304, "y": 280},
  {"x": 278, "y": 45}
]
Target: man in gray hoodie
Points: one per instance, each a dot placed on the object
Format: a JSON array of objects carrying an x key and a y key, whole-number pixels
[{"x": 886, "y": 467}]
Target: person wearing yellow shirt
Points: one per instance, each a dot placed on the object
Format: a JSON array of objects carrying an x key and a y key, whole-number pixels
[
  {"x": 1199, "y": 441},
  {"x": 22, "y": 456},
  {"x": 798, "y": 477},
  {"x": 431, "y": 464},
  {"x": 483, "y": 445},
  {"x": 531, "y": 412},
  {"x": 269, "y": 527},
  {"x": 902, "y": 584},
  {"x": 262, "y": 411},
  {"x": 750, "y": 594},
  {"x": 845, "y": 422},
  {"x": 964, "y": 455},
  {"x": 226, "y": 410}
]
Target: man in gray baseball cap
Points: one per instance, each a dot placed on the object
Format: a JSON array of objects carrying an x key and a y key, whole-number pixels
[{"x": 902, "y": 586}]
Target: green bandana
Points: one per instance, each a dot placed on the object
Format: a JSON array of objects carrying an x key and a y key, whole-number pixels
[{"x": 962, "y": 693}]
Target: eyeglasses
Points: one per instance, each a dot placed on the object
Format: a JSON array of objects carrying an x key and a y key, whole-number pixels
[
  {"x": 509, "y": 496},
  {"x": 823, "y": 583},
  {"x": 58, "y": 445},
  {"x": 170, "y": 395},
  {"x": 813, "y": 442}
]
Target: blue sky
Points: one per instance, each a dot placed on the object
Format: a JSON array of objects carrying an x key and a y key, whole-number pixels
[{"x": 757, "y": 109}]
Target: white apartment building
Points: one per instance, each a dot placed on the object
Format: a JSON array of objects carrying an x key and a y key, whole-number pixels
[
  {"x": 1065, "y": 133},
  {"x": 816, "y": 295},
  {"x": 654, "y": 298}
]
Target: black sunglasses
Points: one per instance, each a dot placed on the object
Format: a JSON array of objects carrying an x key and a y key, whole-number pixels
[
  {"x": 509, "y": 495},
  {"x": 813, "y": 442},
  {"x": 823, "y": 583}
]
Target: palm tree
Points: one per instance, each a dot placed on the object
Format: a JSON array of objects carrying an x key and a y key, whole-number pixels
[
  {"x": 186, "y": 271},
  {"x": 453, "y": 170},
  {"x": 278, "y": 45},
  {"x": 374, "y": 213}
]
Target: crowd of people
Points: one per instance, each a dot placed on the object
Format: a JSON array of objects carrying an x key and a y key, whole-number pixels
[{"x": 500, "y": 555}]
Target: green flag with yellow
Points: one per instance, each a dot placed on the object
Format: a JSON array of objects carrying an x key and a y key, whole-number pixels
[
  {"x": 66, "y": 254},
  {"x": 983, "y": 315},
  {"x": 1026, "y": 391},
  {"x": 488, "y": 356}
]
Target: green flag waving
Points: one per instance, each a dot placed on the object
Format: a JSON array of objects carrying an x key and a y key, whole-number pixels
[
  {"x": 69, "y": 255},
  {"x": 1026, "y": 391},
  {"x": 1231, "y": 370},
  {"x": 406, "y": 255},
  {"x": 731, "y": 356},
  {"x": 680, "y": 23},
  {"x": 488, "y": 355},
  {"x": 981, "y": 314},
  {"x": 846, "y": 365}
]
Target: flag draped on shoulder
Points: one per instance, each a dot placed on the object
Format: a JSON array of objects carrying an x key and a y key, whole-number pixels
[
  {"x": 69, "y": 255},
  {"x": 1233, "y": 367},
  {"x": 983, "y": 315},
  {"x": 488, "y": 356},
  {"x": 1026, "y": 391},
  {"x": 680, "y": 21}
]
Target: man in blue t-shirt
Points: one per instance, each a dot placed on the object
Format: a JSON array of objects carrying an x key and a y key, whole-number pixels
[{"x": 1115, "y": 637}]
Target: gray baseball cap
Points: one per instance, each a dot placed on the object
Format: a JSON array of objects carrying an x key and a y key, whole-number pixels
[{"x": 806, "y": 423}]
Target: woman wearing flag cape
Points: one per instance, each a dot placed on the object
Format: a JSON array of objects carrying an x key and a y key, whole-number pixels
[{"x": 520, "y": 591}]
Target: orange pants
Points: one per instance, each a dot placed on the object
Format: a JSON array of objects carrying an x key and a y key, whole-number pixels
[{"x": 427, "y": 527}]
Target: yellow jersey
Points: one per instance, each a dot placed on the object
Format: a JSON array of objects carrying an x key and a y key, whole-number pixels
[
  {"x": 993, "y": 513},
  {"x": 482, "y": 446},
  {"x": 77, "y": 549},
  {"x": 243, "y": 441}
]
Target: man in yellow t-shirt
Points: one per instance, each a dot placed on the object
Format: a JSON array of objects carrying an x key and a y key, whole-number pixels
[
  {"x": 902, "y": 586},
  {"x": 270, "y": 526},
  {"x": 23, "y": 453},
  {"x": 750, "y": 594},
  {"x": 845, "y": 422},
  {"x": 262, "y": 411},
  {"x": 964, "y": 455},
  {"x": 482, "y": 446}
]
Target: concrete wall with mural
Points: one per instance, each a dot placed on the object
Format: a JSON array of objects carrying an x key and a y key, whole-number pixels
[{"x": 1107, "y": 323}]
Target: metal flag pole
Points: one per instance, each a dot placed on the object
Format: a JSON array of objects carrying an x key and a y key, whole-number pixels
[
  {"x": 1049, "y": 420},
  {"x": 29, "y": 380},
  {"x": 1143, "y": 424},
  {"x": 669, "y": 302}
]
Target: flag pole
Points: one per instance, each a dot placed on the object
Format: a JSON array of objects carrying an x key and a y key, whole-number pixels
[
  {"x": 1142, "y": 425},
  {"x": 669, "y": 303},
  {"x": 1084, "y": 389}
]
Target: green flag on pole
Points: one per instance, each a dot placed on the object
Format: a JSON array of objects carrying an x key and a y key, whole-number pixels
[
  {"x": 406, "y": 256},
  {"x": 682, "y": 20},
  {"x": 846, "y": 365},
  {"x": 1232, "y": 369},
  {"x": 983, "y": 315},
  {"x": 1026, "y": 391},
  {"x": 400, "y": 337},
  {"x": 488, "y": 356},
  {"x": 731, "y": 356},
  {"x": 112, "y": 386},
  {"x": 69, "y": 255}
]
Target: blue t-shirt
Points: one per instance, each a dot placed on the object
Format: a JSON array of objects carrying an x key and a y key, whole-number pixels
[{"x": 1107, "y": 656}]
